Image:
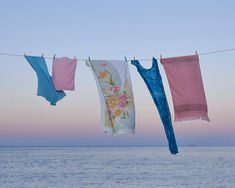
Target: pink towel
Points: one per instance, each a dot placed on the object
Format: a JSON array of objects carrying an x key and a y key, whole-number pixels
[
  {"x": 184, "y": 77},
  {"x": 63, "y": 73}
]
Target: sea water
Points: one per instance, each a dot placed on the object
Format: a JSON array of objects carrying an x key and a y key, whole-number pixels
[{"x": 124, "y": 167}]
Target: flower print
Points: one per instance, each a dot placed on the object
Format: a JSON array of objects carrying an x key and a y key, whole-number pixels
[
  {"x": 123, "y": 97},
  {"x": 102, "y": 74},
  {"x": 121, "y": 105},
  {"x": 118, "y": 100},
  {"x": 112, "y": 101},
  {"x": 118, "y": 112},
  {"x": 115, "y": 88}
]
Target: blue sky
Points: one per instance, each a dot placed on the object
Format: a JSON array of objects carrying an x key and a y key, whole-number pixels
[{"x": 111, "y": 30}]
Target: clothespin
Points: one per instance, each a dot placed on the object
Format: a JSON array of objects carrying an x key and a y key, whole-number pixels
[
  {"x": 160, "y": 58},
  {"x": 134, "y": 58},
  {"x": 54, "y": 56},
  {"x": 125, "y": 58},
  {"x": 197, "y": 55},
  {"x": 42, "y": 54},
  {"x": 88, "y": 61},
  {"x": 24, "y": 54},
  {"x": 75, "y": 58}
]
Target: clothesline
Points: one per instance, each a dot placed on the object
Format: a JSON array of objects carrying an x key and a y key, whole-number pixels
[
  {"x": 116, "y": 93},
  {"x": 46, "y": 57}
]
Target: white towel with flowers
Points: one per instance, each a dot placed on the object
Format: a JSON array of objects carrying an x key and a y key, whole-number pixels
[{"x": 116, "y": 95}]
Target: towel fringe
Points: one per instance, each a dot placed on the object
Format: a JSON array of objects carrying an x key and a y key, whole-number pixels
[{"x": 191, "y": 118}]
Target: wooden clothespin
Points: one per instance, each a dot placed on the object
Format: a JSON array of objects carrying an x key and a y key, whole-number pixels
[
  {"x": 89, "y": 59},
  {"x": 54, "y": 56},
  {"x": 134, "y": 58},
  {"x": 125, "y": 58}
]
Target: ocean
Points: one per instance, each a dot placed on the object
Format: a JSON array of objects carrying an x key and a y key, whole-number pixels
[{"x": 121, "y": 167}]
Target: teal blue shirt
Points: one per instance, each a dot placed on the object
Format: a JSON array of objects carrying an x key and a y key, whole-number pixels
[{"x": 46, "y": 88}]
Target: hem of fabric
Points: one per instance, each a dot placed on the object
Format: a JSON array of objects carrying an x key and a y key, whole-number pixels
[
  {"x": 67, "y": 89},
  {"x": 119, "y": 132},
  {"x": 174, "y": 151},
  {"x": 124, "y": 131},
  {"x": 52, "y": 103},
  {"x": 191, "y": 118},
  {"x": 191, "y": 115}
]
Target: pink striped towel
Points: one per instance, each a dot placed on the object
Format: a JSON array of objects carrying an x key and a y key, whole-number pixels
[
  {"x": 184, "y": 77},
  {"x": 63, "y": 73}
]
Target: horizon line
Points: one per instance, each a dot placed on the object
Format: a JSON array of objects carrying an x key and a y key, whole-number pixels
[{"x": 64, "y": 146}]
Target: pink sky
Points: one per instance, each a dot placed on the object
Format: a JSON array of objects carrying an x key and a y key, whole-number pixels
[{"x": 111, "y": 31}]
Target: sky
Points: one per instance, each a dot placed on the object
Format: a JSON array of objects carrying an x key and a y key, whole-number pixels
[{"x": 107, "y": 29}]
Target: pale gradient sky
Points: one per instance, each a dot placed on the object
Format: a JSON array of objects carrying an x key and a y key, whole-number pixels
[{"x": 107, "y": 29}]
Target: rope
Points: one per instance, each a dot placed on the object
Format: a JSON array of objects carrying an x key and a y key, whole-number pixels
[{"x": 200, "y": 54}]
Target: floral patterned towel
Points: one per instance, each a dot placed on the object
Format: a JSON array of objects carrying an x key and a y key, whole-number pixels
[{"x": 116, "y": 96}]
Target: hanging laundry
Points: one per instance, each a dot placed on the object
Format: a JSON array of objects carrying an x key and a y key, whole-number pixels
[
  {"x": 153, "y": 80},
  {"x": 184, "y": 77},
  {"x": 63, "y": 73},
  {"x": 116, "y": 96},
  {"x": 46, "y": 88}
]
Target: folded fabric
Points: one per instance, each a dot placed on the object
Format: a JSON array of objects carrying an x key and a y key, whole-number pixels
[
  {"x": 46, "y": 88},
  {"x": 63, "y": 73},
  {"x": 153, "y": 80},
  {"x": 116, "y": 96},
  {"x": 184, "y": 77}
]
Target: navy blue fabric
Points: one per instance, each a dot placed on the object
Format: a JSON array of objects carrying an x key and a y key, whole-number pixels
[
  {"x": 46, "y": 87},
  {"x": 153, "y": 80}
]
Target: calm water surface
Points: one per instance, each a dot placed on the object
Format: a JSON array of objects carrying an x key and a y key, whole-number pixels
[{"x": 101, "y": 167}]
